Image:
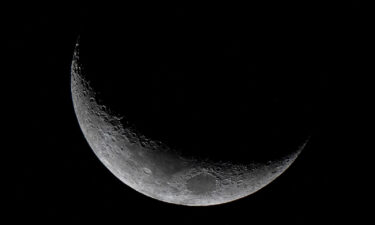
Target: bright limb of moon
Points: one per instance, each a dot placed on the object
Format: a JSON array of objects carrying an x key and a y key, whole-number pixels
[{"x": 154, "y": 169}]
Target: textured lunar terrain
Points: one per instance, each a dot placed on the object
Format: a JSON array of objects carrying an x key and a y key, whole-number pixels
[{"x": 154, "y": 169}]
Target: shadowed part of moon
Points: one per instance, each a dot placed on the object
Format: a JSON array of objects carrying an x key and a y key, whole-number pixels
[{"x": 156, "y": 170}]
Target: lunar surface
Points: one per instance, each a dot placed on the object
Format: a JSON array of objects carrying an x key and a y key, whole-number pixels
[{"x": 157, "y": 169}]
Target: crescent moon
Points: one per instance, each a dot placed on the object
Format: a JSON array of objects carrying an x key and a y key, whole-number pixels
[{"x": 156, "y": 170}]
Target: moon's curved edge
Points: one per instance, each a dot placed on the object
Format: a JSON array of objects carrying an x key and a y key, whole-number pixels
[{"x": 134, "y": 159}]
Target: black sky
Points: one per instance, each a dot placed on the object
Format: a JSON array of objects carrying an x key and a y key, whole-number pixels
[{"x": 59, "y": 179}]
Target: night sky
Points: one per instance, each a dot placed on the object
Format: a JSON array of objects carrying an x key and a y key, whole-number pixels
[{"x": 60, "y": 180}]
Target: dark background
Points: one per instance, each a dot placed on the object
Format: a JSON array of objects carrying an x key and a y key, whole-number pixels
[{"x": 59, "y": 179}]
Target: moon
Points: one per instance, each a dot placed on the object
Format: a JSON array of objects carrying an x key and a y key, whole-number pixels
[{"x": 156, "y": 169}]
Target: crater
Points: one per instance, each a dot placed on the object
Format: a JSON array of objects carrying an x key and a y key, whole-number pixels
[
  {"x": 147, "y": 171},
  {"x": 201, "y": 184}
]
